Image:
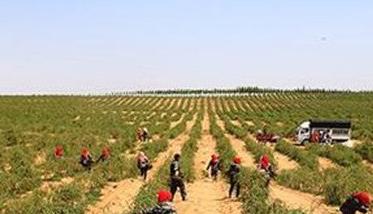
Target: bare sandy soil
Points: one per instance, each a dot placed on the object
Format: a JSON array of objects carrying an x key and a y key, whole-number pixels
[
  {"x": 325, "y": 163},
  {"x": 300, "y": 200}
]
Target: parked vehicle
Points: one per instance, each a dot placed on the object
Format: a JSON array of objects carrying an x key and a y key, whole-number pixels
[
  {"x": 267, "y": 137},
  {"x": 324, "y": 131}
]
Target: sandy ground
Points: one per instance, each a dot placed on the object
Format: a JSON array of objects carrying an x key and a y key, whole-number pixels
[
  {"x": 284, "y": 163},
  {"x": 204, "y": 195},
  {"x": 325, "y": 163},
  {"x": 173, "y": 124},
  {"x": 300, "y": 200},
  {"x": 118, "y": 197}
]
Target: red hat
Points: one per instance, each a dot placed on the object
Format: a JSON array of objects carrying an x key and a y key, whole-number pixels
[
  {"x": 84, "y": 151},
  {"x": 164, "y": 196},
  {"x": 214, "y": 156},
  {"x": 58, "y": 152},
  {"x": 237, "y": 160},
  {"x": 364, "y": 197},
  {"x": 105, "y": 151}
]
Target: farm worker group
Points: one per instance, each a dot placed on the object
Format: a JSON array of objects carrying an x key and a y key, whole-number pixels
[
  {"x": 357, "y": 202},
  {"x": 86, "y": 159}
]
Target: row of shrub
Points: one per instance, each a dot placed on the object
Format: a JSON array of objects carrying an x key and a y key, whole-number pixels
[
  {"x": 190, "y": 148},
  {"x": 339, "y": 154},
  {"x": 365, "y": 150},
  {"x": 335, "y": 184},
  {"x": 303, "y": 157},
  {"x": 254, "y": 195}
]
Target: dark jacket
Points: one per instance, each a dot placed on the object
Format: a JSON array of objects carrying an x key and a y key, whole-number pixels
[
  {"x": 175, "y": 169},
  {"x": 233, "y": 172},
  {"x": 352, "y": 205},
  {"x": 164, "y": 208}
]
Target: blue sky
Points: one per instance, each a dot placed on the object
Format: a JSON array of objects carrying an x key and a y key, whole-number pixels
[{"x": 102, "y": 46}]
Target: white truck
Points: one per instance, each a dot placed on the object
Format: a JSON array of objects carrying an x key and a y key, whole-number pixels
[{"x": 316, "y": 130}]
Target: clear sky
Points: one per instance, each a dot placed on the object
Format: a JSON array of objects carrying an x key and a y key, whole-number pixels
[{"x": 103, "y": 46}]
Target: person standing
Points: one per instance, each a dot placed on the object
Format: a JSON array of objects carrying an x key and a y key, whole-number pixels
[
  {"x": 86, "y": 159},
  {"x": 143, "y": 164},
  {"x": 214, "y": 166},
  {"x": 233, "y": 173},
  {"x": 176, "y": 178}
]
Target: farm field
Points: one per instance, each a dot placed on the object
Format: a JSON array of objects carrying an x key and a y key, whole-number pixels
[{"x": 311, "y": 179}]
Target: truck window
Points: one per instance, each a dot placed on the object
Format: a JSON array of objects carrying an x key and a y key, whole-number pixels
[{"x": 304, "y": 131}]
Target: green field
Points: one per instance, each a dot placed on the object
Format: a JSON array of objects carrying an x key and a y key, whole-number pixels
[{"x": 33, "y": 181}]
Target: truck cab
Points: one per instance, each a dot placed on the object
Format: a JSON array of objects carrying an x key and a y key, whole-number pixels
[
  {"x": 304, "y": 133},
  {"x": 336, "y": 130}
]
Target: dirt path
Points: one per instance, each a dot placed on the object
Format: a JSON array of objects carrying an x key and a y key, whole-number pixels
[
  {"x": 300, "y": 200},
  {"x": 173, "y": 124},
  {"x": 284, "y": 162},
  {"x": 239, "y": 146},
  {"x": 204, "y": 195},
  {"x": 325, "y": 163},
  {"x": 117, "y": 197}
]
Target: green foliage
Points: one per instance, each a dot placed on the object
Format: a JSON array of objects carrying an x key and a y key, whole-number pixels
[
  {"x": 223, "y": 146},
  {"x": 339, "y": 154},
  {"x": 255, "y": 194},
  {"x": 365, "y": 150},
  {"x": 334, "y": 184},
  {"x": 304, "y": 158},
  {"x": 190, "y": 148}
]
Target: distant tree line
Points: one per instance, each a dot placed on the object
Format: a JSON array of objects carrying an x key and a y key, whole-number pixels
[{"x": 238, "y": 90}]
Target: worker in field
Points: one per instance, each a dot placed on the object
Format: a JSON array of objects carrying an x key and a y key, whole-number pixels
[
  {"x": 357, "y": 202},
  {"x": 315, "y": 137},
  {"x": 164, "y": 205},
  {"x": 145, "y": 134},
  {"x": 214, "y": 166},
  {"x": 233, "y": 173},
  {"x": 139, "y": 134},
  {"x": 143, "y": 164},
  {"x": 58, "y": 152},
  {"x": 86, "y": 158},
  {"x": 266, "y": 167},
  {"x": 105, "y": 154},
  {"x": 265, "y": 164},
  {"x": 176, "y": 178},
  {"x": 325, "y": 137}
]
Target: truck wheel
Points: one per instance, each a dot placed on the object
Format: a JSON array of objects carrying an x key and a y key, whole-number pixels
[{"x": 305, "y": 142}]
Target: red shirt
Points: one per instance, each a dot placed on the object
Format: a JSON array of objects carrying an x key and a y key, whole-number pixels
[
  {"x": 58, "y": 152},
  {"x": 264, "y": 162}
]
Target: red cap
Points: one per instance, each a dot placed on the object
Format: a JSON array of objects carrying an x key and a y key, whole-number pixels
[
  {"x": 364, "y": 197},
  {"x": 84, "y": 151},
  {"x": 105, "y": 151},
  {"x": 164, "y": 196},
  {"x": 214, "y": 156},
  {"x": 237, "y": 160}
]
